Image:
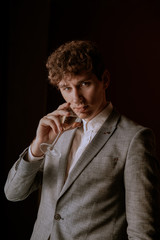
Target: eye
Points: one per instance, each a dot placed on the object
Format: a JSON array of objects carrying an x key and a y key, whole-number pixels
[
  {"x": 86, "y": 83},
  {"x": 66, "y": 88}
]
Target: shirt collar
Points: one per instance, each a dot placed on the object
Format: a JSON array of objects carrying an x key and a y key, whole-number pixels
[{"x": 95, "y": 123}]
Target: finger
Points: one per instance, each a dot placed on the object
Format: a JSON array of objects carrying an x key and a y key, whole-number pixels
[
  {"x": 76, "y": 124},
  {"x": 67, "y": 107},
  {"x": 46, "y": 122},
  {"x": 56, "y": 121},
  {"x": 58, "y": 113},
  {"x": 64, "y": 106}
]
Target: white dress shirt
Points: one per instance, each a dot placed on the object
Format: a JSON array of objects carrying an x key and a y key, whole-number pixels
[
  {"x": 83, "y": 137},
  {"x": 85, "y": 134}
]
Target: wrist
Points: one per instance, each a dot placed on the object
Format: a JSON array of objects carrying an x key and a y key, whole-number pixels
[{"x": 35, "y": 149}]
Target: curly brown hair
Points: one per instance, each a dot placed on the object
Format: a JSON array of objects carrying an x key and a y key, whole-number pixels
[{"x": 75, "y": 58}]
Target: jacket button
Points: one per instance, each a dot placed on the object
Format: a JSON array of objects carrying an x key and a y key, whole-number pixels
[{"x": 57, "y": 217}]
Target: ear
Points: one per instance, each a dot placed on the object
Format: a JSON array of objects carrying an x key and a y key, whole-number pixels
[{"x": 106, "y": 78}]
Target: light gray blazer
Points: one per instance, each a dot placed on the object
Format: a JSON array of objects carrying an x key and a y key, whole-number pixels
[{"x": 111, "y": 193}]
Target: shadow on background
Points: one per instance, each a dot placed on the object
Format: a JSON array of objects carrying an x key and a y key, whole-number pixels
[{"x": 128, "y": 34}]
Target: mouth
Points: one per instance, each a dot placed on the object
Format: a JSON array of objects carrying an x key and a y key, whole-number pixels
[{"x": 80, "y": 109}]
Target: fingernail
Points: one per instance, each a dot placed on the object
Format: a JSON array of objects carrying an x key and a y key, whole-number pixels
[
  {"x": 61, "y": 129},
  {"x": 79, "y": 124}
]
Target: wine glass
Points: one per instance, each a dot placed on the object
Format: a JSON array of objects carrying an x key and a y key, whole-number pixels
[{"x": 47, "y": 148}]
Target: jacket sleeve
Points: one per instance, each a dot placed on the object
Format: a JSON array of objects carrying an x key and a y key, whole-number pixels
[
  {"x": 141, "y": 177},
  {"x": 23, "y": 178}
]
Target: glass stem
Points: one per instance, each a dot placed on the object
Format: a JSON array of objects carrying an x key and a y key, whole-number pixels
[{"x": 55, "y": 141}]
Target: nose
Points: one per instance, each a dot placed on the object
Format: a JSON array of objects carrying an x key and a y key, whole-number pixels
[{"x": 77, "y": 97}]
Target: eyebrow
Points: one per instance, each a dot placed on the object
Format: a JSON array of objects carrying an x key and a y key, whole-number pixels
[
  {"x": 79, "y": 82},
  {"x": 62, "y": 85}
]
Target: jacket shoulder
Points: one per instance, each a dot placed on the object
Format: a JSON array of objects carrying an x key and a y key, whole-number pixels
[
  {"x": 128, "y": 129},
  {"x": 130, "y": 125}
]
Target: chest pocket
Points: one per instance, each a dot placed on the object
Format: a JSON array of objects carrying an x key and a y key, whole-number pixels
[{"x": 105, "y": 167}]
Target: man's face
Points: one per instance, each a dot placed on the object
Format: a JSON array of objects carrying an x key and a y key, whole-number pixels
[{"x": 85, "y": 93}]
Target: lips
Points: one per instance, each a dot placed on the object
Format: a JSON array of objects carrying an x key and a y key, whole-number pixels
[{"x": 80, "y": 108}]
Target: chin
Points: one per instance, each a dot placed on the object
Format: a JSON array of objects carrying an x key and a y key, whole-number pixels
[{"x": 85, "y": 116}]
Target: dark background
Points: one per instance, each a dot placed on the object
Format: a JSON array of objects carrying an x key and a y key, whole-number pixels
[{"x": 127, "y": 32}]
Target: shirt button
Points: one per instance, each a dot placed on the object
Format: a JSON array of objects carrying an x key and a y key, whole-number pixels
[{"x": 57, "y": 217}]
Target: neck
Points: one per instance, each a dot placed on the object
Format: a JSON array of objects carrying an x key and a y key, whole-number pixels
[{"x": 100, "y": 110}]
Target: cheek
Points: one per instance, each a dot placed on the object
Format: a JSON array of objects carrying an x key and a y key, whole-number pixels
[
  {"x": 93, "y": 95},
  {"x": 91, "y": 98},
  {"x": 66, "y": 97}
]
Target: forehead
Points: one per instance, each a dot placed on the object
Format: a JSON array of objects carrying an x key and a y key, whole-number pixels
[{"x": 75, "y": 79}]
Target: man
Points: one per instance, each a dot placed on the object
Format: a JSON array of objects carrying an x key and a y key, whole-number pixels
[{"x": 104, "y": 184}]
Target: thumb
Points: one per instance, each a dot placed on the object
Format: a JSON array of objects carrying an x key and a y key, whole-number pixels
[
  {"x": 76, "y": 124},
  {"x": 69, "y": 127}
]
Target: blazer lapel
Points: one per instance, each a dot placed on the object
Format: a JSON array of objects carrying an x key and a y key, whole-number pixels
[
  {"x": 92, "y": 149},
  {"x": 65, "y": 146}
]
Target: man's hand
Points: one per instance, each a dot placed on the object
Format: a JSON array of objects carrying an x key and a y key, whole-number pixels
[{"x": 50, "y": 125}]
